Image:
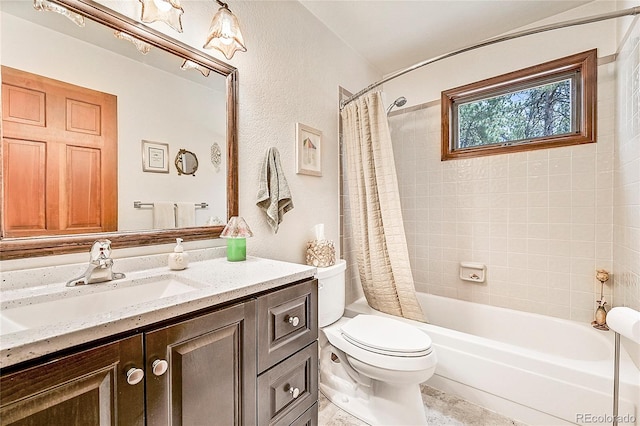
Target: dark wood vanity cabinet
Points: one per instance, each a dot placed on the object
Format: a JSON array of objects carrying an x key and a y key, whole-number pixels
[
  {"x": 252, "y": 363},
  {"x": 288, "y": 355},
  {"x": 87, "y": 388},
  {"x": 209, "y": 371},
  {"x": 201, "y": 371}
]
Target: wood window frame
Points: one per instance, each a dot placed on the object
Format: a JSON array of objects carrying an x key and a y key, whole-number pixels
[{"x": 584, "y": 63}]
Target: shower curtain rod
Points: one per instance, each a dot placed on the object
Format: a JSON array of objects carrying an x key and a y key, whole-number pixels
[{"x": 588, "y": 20}]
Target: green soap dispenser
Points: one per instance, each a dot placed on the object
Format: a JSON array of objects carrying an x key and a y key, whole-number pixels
[{"x": 178, "y": 260}]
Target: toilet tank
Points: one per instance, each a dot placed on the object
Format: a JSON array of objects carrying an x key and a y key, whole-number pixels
[{"x": 331, "y": 289}]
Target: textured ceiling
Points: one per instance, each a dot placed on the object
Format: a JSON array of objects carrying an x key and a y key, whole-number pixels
[{"x": 392, "y": 35}]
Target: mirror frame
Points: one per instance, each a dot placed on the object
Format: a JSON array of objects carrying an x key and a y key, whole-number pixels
[
  {"x": 47, "y": 246},
  {"x": 176, "y": 163}
]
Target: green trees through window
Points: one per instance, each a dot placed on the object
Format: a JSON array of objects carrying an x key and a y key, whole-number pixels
[
  {"x": 517, "y": 116},
  {"x": 548, "y": 105}
]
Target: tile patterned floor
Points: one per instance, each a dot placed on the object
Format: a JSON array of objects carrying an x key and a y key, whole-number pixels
[{"x": 442, "y": 410}]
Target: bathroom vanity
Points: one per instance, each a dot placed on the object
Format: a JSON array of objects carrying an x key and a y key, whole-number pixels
[{"x": 239, "y": 348}]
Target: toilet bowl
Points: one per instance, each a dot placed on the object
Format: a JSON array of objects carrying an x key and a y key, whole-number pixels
[{"x": 370, "y": 366}]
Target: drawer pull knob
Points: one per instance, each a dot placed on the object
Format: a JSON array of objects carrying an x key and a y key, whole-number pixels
[
  {"x": 159, "y": 367},
  {"x": 294, "y": 321},
  {"x": 295, "y": 392},
  {"x": 134, "y": 376}
]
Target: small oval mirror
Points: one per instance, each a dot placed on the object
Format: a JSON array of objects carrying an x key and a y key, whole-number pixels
[{"x": 186, "y": 162}]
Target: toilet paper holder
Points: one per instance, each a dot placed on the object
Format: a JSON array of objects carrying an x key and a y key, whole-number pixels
[{"x": 625, "y": 321}]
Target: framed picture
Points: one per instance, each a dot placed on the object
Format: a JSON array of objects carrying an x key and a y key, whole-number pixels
[
  {"x": 155, "y": 157},
  {"x": 308, "y": 150}
]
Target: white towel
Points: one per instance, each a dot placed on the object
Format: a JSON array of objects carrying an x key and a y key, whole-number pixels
[
  {"x": 274, "y": 196},
  {"x": 164, "y": 216},
  {"x": 185, "y": 215}
]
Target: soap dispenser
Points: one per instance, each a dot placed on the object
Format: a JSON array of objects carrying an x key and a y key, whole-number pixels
[{"x": 178, "y": 259}]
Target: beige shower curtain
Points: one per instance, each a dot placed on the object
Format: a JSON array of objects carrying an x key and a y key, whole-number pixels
[{"x": 378, "y": 230}]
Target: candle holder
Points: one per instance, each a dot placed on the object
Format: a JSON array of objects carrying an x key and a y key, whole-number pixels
[
  {"x": 600, "y": 321},
  {"x": 236, "y": 232}
]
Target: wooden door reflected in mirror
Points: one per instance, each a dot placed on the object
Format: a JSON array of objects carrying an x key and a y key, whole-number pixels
[{"x": 57, "y": 175}]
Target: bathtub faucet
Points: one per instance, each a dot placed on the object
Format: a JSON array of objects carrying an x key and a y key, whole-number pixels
[{"x": 100, "y": 264}]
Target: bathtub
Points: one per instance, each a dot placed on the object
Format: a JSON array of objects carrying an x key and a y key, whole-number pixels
[{"x": 533, "y": 368}]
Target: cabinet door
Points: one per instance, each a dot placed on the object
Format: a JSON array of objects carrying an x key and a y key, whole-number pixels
[
  {"x": 211, "y": 374},
  {"x": 86, "y": 388}
]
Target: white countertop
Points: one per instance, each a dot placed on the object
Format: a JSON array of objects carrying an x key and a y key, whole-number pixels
[{"x": 221, "y": 281}]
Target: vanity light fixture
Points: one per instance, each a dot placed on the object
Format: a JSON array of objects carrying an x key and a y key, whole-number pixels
[
  {"x": 167, "y": 11},
  {"x": 224, "y": 32},
  {"x": 45, "y": 5},
  {"x": 190, "y": 65},
  {"x": 236, "y": 232},
  {"x": 142, "y": 46}
]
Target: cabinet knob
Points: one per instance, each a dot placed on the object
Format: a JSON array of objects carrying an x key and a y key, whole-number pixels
[
  {"x": 295, "y": 392},
  {"x": 134, "y": 376},
  {"x": 294, "y": 321},
  {"x": 159, "y": 367}
]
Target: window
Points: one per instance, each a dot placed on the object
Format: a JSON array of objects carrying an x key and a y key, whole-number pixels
[{"x": 548, "y": 105}]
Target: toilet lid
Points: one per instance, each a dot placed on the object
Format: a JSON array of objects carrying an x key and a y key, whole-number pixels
[{"x": 386, "y": 336}]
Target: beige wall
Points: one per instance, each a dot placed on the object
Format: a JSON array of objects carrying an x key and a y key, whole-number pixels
[{"x": 290, "y": 73}]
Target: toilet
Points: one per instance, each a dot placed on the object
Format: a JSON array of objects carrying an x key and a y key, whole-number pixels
[{"x": 370, "y": 366}]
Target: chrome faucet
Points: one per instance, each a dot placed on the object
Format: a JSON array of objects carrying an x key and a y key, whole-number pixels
[{"x": 100, "y": 264}]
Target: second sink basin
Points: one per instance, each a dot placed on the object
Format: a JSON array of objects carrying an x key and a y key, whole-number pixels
[{"x": 110, "y": 297}]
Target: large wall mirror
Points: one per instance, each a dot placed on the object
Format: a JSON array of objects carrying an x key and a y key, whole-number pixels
[{"x": 158, "y": 106}]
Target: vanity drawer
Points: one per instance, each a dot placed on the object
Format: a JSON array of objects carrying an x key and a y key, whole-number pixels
[
  {"x": 287, "y": 322},
  {"x": 309, "y": 418},
  {"x": 289, "y": 389}
]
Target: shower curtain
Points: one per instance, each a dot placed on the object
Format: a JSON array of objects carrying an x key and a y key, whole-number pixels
[{"x": 378, "y": 230}]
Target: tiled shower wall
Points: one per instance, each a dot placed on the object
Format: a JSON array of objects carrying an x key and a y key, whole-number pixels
[
  {"x": 541, "y": 221},
  {"x": 626, "y": 248}
]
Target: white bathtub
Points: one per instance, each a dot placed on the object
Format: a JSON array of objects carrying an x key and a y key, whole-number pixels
[{"x": 533, "y": 368}]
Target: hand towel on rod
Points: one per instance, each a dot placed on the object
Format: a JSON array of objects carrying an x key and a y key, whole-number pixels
[
  {"x": 164, "y": 215},
  {"x": 274, "y": 195},
  {"x": 185, "y": 215}
]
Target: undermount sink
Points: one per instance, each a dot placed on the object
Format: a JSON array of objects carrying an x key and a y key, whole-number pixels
[{"x": 99, "y": 299}]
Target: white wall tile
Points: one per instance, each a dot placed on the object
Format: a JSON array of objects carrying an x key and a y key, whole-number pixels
[
  {"x": 625, "y": 230},
  {"x": 542, "y": 221},
  {"x": 531, "y": 217}
]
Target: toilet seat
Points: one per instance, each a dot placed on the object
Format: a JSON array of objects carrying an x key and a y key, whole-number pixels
[
  {"x": 386, "y": 336},
  {"x": 396, "y": 360}
]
